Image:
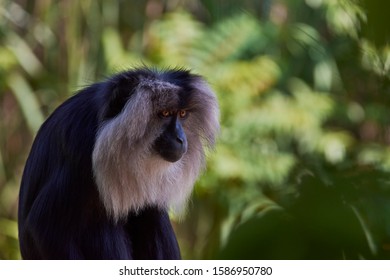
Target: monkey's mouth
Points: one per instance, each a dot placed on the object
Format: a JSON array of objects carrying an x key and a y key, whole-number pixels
[
  {"x": 173, "y": 157},
  {"x": 171, "y": 151}
]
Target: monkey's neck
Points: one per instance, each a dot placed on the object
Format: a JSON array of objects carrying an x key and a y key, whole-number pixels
[{"x": 150, "y": 183}]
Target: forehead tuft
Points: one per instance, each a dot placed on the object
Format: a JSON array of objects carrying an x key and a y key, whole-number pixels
[
  {"x": 164, "y": 95},
  {"x": 158, "y": 86}
]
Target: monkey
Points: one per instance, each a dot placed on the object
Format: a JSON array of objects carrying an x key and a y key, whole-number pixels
[{"x": 109, "y": 163}]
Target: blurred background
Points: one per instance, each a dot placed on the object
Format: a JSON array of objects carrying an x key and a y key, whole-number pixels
[{"x": 301, "y": 169}]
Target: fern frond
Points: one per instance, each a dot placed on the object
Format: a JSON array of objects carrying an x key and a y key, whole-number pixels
[{"x": 229, "y": 40}]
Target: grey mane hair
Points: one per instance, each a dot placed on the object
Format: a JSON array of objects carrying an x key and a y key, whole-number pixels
[{"x": 129, "y": 176}]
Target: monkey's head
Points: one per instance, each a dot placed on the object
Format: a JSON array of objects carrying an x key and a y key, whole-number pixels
[{"x": 150, "y": 147}]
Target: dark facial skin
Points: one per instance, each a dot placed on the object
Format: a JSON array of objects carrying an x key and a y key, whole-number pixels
[{"x": 171, "y": 145}]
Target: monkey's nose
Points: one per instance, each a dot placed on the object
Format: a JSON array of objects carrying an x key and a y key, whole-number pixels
[{"x": 180, "y": 139}]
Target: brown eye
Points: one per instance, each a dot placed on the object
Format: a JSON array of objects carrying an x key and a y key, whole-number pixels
[
  {"x": 165, "y": 113},
  {"x": 183, "y": 113}
]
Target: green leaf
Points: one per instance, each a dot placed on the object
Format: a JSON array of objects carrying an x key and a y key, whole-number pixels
[{"x": 27, "y": 100}]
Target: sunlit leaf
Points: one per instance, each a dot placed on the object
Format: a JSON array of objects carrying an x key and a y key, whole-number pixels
[{"x": 27, "y": 101}]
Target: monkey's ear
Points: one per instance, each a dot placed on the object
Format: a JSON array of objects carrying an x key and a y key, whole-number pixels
[
  {"x": 115, "y": 103},
  {"x": 118, "y": 93}
]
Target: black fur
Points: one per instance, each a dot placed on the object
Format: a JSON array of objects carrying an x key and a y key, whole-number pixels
[{"x": 60, "y": 212}]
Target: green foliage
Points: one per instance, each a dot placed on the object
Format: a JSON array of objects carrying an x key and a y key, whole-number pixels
[
  {"x": 339, "y": 219},
  {"x": 300, "y": 168},
  {"x": 9, "y": 239}
]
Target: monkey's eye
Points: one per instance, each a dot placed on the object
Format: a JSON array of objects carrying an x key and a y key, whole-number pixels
[
  {"x": 182, "y": 114},
  {"x": 165, "y": 113}
]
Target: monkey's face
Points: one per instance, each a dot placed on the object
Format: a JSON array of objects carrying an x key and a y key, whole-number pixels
[
  {"x": 150, "y": 146},
  {"x": 172, "y": 144}
]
